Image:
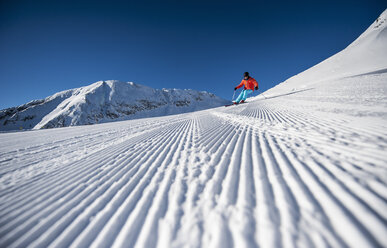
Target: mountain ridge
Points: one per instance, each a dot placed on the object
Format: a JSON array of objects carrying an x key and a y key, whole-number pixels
[{"x": 104, "y": 101}]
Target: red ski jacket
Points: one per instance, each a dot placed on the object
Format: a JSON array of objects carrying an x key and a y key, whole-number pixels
[{"x": 249, "y": 84}]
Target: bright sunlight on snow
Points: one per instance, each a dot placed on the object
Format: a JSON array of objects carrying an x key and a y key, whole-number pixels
[{"x": 301, "y": 165}]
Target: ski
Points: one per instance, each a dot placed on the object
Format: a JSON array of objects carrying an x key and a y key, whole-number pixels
[{"x": 228, "y": 105}]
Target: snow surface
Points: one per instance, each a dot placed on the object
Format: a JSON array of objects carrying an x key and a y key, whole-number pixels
[
  {"x": 291, "y": 168},
  {"x": 105, "y": 101}
]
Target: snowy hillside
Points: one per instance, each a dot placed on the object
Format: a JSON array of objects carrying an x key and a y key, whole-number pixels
[
  {"x": 366, "y": 55},
  {"x": 104, "y": 101},
  {"x": 290, "y": 168}
]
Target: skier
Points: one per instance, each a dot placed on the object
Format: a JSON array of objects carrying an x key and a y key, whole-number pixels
[{"x": 250, "y": 84}]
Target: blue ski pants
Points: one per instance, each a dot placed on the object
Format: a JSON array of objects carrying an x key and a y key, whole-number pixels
[{"x": 243, "y": 95}]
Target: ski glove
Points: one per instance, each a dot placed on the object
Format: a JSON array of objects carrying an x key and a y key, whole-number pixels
[
  {"x": 235, "y": 88},
  {"x": 256, "y": 88}
]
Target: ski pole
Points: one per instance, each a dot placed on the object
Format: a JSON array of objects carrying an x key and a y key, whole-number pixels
[{"x": 233, "y": 96}]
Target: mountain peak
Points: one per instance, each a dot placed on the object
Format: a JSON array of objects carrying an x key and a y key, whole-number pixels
[
  {"x": 376, "y": 32},
  {"x": 105, "y": 101}
]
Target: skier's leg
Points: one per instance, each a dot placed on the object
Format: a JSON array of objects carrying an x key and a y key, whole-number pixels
[
  {"x": 249, "y": 92},
  {"x": 240, "y": 97},
  {"x": 245, "y": 94}
]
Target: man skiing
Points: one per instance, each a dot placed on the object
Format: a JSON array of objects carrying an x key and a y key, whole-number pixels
[{"x": 250, "y": 84}]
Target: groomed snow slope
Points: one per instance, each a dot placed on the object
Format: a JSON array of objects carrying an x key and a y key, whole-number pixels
[
  {"x": 289, "y": 171},
  {"x": 291, "y": 168}
]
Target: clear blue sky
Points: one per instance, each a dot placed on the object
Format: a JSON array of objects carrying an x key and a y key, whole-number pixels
[{"x": 50, "y": 46}]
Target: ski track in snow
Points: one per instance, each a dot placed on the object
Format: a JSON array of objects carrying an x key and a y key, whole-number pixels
[{"x": 244, "y": 176}]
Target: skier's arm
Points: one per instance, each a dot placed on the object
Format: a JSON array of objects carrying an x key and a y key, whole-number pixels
[
  {"x": 256, "y": 84},
  {"x": 240, "y": 85}
]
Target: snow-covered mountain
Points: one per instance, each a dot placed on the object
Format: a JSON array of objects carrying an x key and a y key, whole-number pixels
[
  {"x": 366, "y": 55},
  {"x": 105, "y": 101}
]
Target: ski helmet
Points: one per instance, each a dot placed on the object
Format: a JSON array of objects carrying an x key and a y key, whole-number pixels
[{"x": 246, "y": 74}]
